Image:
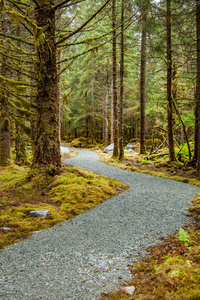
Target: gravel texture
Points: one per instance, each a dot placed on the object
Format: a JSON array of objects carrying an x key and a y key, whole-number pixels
[{"x": 80, "y": 258}]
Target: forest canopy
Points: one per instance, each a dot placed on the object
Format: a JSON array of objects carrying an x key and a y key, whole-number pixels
[{"x": 116, "y": 71}]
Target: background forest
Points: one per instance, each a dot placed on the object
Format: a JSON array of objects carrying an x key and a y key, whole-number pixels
[
  {"x": 91, "y": 73},
  {"x": 113, "y": 71}
]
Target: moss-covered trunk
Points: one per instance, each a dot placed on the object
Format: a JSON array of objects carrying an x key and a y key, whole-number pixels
[
  {"x": 47, "y": 143},
  {"x": 198, "y": 82},
  {"x": 4, "y": 111},
  {"x": 20, "y": 147}
]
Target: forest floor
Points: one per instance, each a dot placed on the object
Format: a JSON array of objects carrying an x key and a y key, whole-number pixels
[
  {"x": 172, "y": 269},
  {"x": 160, "y": 167},
  {"x": 65, "y": 196}
]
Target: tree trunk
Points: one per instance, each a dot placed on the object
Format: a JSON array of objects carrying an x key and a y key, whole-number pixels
[
  {"x": 47, "y": 142},
  {"x": 5, "y": 157},
  {"x": 115, "y": 114},
  {"x": 92, "y": 118},
  {"x": 106, "y": 112},
  {"x": 20, "y": 147},
  {"x": 121, "y": 132},
  {"x": 59, "y": 96},
  {"x": 111, "y": 116},
  {"x": 195, "y": 156},
  {"x": 20, "y": 144},
  {"x": 172, "y": 156},
  {"x": 198, "y": 78},
  {"x": 142, "y": 89}
]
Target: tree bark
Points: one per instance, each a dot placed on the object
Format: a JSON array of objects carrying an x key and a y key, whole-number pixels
[
  {"x": 115, "y": 113},
  {"x": 121, "y": 100},
  {"x": 172, "y": 156},
  {"x": 198, "y": 78},
  {"x": 47, "y": 142},
  {"x": 20, "y": 144},
  {"x": 5, "y": 156},
  {"x": 142, "y": 89},
  {"x": 105, "y": 108},
  {"x": 195, "y": 156},
  {"x": 111, "y": 116}
]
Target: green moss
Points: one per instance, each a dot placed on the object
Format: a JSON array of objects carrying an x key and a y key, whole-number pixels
[
  {"x": 163, "y": 174},
  {"x": 11, "y": 176},
  {"x": 171, "y": 271},
  {"x": 81, "y": 142},
  {"x": 64, "y": 196}
]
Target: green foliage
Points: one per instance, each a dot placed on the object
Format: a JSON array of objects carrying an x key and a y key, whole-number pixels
[
  {"x": 183, "y": 237},
  {"x": 80, "y": 142}
]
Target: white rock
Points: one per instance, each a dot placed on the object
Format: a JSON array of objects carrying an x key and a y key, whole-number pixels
[
  {"x": 129, "y": 148},
  {"x": 64, "y": 150},
  {"x": 39, "y": 213},
  {"x": 5, "y": 228},
  {"x": 129, "y": 290},
  {"x": 109, "y": 149}
]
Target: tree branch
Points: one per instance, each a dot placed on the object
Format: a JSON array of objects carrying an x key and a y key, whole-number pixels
[
  {"x": 62, "y": 4},
  {"x": 84, "y": 24}
]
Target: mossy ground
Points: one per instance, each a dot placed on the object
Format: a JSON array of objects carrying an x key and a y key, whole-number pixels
[
  {"x": 65, "y": 196},
  {"x": 160, "y": 167},
  {"x": 171, "y": 270}
]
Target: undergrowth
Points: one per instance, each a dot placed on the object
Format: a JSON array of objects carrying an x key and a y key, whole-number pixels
[
  {"x": 160, "y": 168},
  {"x": 170, "y": 271}
]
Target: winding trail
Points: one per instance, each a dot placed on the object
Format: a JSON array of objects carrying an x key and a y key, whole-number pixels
[{"x": 80, "y": 258}]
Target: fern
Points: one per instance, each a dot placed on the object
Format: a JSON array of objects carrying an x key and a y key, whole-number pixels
[{"x": 183, "y": 237}]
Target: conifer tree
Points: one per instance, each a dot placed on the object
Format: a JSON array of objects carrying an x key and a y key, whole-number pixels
[
  {"x": 5, "y": 155},
  {"x": 198, "y": 77},
  {"x": 169, "y": 85},
  {"x": 121, "y": 99},
  {"x": 114, "y": 77},
  {"x": 143, "y": 81}
]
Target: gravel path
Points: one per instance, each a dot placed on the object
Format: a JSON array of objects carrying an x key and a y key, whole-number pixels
[{"x": 80, "y": 258}]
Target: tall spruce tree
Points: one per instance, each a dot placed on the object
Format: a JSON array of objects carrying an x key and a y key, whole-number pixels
[
  {"x": 114, "y": 78},
  {"x": 172, "y": 156},
  {"x": 121, "y": 98}
]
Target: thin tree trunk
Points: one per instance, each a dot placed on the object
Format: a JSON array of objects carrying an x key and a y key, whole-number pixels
[
  {"x": 47, "y": 143},
  {"x": 106, "y": 112},
  {"x": 111, "y": 116},
  {"x": 121, "y": 132},
  {"x": 59, "y": 96},
  {"x": 172, "y": 156},
  {"x": 92, "y": 118},
  {"x": 136, "y": 129},
  {"x": 195, "y": 156},
  {"x": 198, "y": 77},
  {"x": 115, "y": 114},
  {"x": 5, "y": 156},
  {"x": 184, "y": 128},
  {"x": 142, "y": 89}
]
